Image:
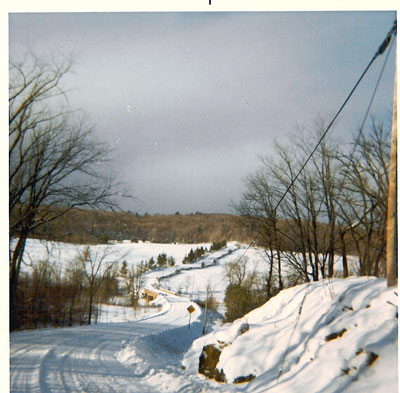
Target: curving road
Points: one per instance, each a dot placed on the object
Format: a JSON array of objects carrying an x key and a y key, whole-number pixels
[{"x": 87, "y": 359}]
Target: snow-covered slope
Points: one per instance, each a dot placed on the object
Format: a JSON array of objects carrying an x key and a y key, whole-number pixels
[
  {"x": 133, "y": 253},
  {"x": 328, "y": 336}
]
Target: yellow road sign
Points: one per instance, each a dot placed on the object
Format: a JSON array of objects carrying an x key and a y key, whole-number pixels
[{"x": 190, "y": 309}]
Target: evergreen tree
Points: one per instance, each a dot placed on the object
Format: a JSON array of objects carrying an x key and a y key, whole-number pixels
[
  {"x": 151, "y": 264},
  {"x": 171, "y": 261},
  {"x": 124, "y": 269},
  {"x": 162, "y": 260}
]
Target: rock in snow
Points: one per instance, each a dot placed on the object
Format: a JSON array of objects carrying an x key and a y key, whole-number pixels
[{"x": 328, "y": 336}]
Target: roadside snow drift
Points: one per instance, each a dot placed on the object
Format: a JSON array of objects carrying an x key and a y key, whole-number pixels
[{"x": 328, "y": 336}]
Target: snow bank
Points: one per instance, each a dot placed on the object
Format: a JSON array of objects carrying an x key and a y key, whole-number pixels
[
  {"x": 328, "y": 336},
  {"x": 172, "y": 337}
]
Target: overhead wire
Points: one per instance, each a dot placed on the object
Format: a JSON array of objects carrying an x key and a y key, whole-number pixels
[
  {"x": 372, "y": 98},
  {"x": 361, "y": 129},
  {"x": 379, "y": 52},
  {"x": 237, "y": 261}
]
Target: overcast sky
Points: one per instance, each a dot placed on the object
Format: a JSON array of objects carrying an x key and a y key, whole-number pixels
[{"x": 190, "y": 100}]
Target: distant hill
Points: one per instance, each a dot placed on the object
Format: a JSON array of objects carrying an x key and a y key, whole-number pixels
[
  {"x": 90, "y": 227},
  {"x": 99, "y": 227}
]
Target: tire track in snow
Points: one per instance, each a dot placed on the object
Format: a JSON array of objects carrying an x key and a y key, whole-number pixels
[
  {"x": 84, "y": 359},
  {"x": 91, "y": 367},
  {"x": 26, "y": 360},
  {"x": 71, "y": 360}
]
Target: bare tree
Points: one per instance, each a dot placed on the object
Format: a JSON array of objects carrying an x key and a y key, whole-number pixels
[
  {"x": 73, "y": 278},
  {"x": 55, "y": 162},
  {"x": 96, "y": 266},
  {"x": 210, "y": 306},
  {"x": 134, "y": 282},
  {"x": 364, "y": 195},
  {"x": 235, "y": 271},
  {"x": 246, "y": 289},
  {"x": 324, "y": 182},
  {"x": 337, "y": 199},
  {"x": 299, "y": 208},
  {"x": 256, "y": 208}
]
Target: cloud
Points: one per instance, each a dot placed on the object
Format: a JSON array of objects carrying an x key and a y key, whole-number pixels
[{"x": 210, "y": 91}]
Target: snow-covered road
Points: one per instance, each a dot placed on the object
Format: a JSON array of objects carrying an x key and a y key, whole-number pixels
[
  {"x": 142, "y": 356},
  {"x": 71, "y": 360}
]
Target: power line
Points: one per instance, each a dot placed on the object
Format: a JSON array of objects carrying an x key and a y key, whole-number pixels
[
  {"x": 372, "y": 98},
  {"x": 379, "y": 52}
]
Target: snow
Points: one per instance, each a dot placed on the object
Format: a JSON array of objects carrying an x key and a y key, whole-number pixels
[
  {"x": 133, "y": 253},
  {"x": 112, "y": 313},
  {"x": 193, "y": 280},
  {"x": 312, "y": 338},
  {"x": 317, "y": 337},
  {"x": 141, "y": 356}
]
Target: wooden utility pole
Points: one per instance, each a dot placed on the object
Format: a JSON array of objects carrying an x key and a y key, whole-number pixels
[{"x": 391, "y": 229}]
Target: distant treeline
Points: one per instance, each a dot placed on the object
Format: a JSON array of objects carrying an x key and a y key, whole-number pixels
[
  {"x": 100, "y": 227},
  {"x": 94, "y": 227}
]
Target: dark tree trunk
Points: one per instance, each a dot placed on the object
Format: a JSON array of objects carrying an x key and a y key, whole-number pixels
[
  {"x": 331, "y": 256},
  {"x": 15, "y": 267},
  {"x": 90, "y": 308},
  {"x": 344, "y": 256}
]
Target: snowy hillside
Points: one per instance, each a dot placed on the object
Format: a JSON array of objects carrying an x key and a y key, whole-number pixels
[
  {"x": 330, "y": 336},
  {"x": 133, "y": 253},
  {"x": 190, "y": 279},
  {"x": 60, "y": 254}
]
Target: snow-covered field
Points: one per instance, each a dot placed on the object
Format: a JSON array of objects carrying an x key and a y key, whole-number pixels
[
  {"x": 330, "y": 336},
  {"x": 133, "y": 253}
]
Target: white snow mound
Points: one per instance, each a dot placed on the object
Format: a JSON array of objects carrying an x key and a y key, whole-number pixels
[{"x": 328, "y": 336}]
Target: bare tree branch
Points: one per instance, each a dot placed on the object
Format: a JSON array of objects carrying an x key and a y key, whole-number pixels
[{"x": 55, "y": 161}]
